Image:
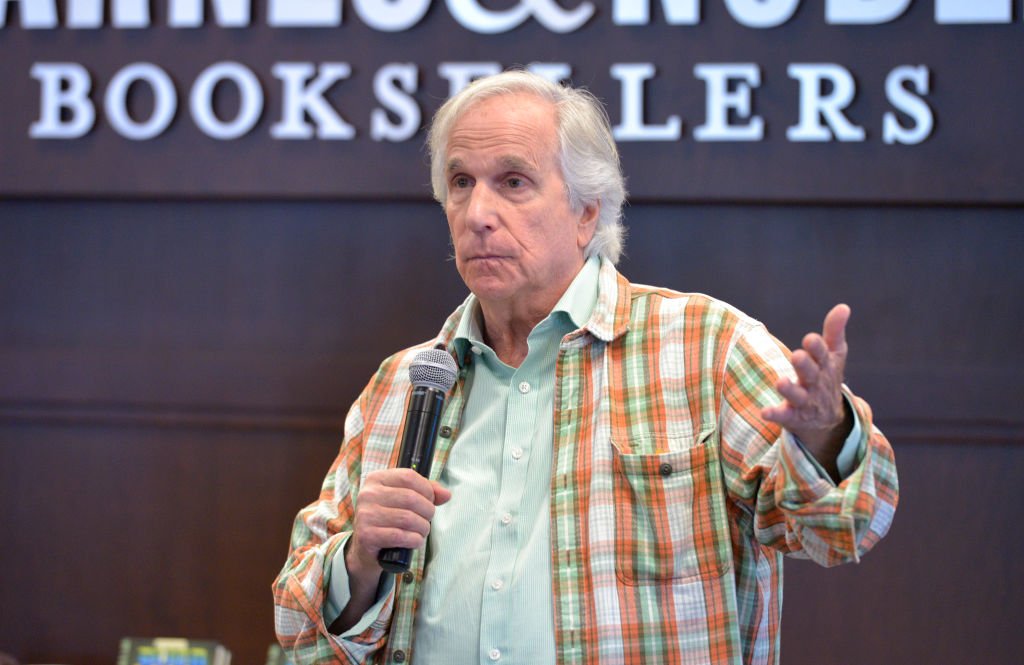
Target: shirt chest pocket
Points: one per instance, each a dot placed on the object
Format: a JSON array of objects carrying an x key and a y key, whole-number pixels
[{"x": 668, "y": 507}]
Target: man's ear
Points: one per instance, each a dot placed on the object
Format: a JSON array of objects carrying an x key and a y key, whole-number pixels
[{"x": 587, "y": 223}]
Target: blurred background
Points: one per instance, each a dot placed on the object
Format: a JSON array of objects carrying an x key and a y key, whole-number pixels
[{"x": 185, "y": 319}]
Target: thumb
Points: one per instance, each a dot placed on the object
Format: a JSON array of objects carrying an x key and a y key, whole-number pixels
[{"x": 441, "y": 493}]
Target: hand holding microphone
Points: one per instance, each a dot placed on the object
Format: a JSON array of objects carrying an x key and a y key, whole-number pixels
[
  {"x": 395, "y": 506},
  {"x": 433, "y": 373}
]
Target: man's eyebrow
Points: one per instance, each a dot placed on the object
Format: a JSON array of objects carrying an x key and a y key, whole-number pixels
[
  {"x": 508, "y": 162},
  {"x": 516, "y": 163}
]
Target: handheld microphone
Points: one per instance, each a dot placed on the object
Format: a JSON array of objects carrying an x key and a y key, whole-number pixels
[{"x": 433, "y": 373}]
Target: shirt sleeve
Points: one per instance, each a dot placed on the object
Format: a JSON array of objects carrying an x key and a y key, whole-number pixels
[
  {"x": 796, "y": 509},
  {"x": 302, "y": 590},
  {"x": 849, "y": 455},
  {"x": 339, "y": 595}
]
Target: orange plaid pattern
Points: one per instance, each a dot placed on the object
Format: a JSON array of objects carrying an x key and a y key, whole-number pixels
[{"x": 672, "y": 501}]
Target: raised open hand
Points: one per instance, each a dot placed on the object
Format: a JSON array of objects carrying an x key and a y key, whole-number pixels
[{"x": 813, "y": 408}]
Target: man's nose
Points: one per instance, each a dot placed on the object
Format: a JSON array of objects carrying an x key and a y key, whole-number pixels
[{"x": 482, "y": 209}]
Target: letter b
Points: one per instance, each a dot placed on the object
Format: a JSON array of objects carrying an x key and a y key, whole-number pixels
[{"x": 63, "y": 86}]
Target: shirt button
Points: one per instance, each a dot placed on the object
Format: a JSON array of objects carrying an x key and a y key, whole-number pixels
[
  {"x": 506, "y": 519},
  {"x": 408, "y": 577},
  {"x": 517, "y": 453},
  {"x": 524, "y": 387},
  {"x": 476, "y": 350},
  {"x": 399, "y": 656},
  {"x": 497, "y": 584},
  {"x": 494, "y": 654},
  {"x": 445, "y": 432},
  {"x": 665, "y": 469}
]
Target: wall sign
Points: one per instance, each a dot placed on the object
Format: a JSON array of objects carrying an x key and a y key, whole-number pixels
[{"x": 850, "y": 100}]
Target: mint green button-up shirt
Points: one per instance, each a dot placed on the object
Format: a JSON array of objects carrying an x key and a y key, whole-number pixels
[{"x": 494, "y": 533}]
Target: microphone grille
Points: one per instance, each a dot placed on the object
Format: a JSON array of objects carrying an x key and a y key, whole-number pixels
[{"x": 434, "y": 368}]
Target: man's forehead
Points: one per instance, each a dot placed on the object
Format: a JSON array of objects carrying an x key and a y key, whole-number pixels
[{"x": 513, "y": 131}]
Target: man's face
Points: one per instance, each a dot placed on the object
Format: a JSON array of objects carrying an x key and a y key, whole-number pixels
[{"x": 517, "y": 241}]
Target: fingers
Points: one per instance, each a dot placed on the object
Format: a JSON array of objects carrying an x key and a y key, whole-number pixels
[
  {"x": 824, "y": 353},
  {"x": 402, "y": 479},
  {"x": 782, "y": 415},
  {"x": 797, "y": 403},
  {"x": 394, "y": 509},
  {"x": 814, "y": 399},
  {"x": 808, "y": 366},
  {"x": 834, "y": 329},
  {"x": 815, "y": 346},
  {"x": 794, "y": 393},
  {"x": 401, "y": 490}
]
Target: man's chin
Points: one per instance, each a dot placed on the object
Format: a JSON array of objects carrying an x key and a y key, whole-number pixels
[
  {"x": 489, "y": 289},
  {"x": 490, "y": 286}
]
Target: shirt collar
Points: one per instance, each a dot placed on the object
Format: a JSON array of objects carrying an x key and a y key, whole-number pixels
[
  {"x": 577, "y": 303},
  {"x": 579, "y": 299},
  {"x": 608, "y": 320},
  {"x": 611, "y": 314}
]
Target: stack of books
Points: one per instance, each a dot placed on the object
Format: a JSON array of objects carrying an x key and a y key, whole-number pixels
[{"x": 171, "y": 651}]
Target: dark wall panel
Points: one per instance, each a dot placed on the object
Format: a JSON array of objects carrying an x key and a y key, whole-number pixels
[
  {"x": 943, "y": 588},
  {"x": 117, "y": 529},
  {"x": 173, "y": 379}
]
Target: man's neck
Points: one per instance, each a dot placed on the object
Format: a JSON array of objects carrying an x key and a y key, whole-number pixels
[
  {"x": 506, "y": 324},
  {"x": 506, "y": 331}
]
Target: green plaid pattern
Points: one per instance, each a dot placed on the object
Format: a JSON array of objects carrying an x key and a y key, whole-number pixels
[{"x": 672, "y": 501}]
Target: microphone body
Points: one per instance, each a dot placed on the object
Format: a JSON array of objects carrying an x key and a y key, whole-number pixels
[{"x": 433, "y": 374}]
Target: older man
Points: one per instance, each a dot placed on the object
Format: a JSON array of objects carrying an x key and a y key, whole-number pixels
[{"x": 616, "y": 479}]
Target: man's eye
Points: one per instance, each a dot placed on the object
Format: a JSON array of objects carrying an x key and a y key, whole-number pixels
[
  {"x": 461, "y": 181},
  {"x": 514, "y": 183}
]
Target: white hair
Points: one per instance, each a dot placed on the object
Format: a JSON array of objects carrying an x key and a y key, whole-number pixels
[{"x": 587, "y": 153}]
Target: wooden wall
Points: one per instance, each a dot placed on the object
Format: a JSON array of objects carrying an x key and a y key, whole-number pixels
[{"x": 174, "y": 375}]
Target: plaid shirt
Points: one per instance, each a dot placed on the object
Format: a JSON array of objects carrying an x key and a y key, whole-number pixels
[{"x": 672, "y": 501}]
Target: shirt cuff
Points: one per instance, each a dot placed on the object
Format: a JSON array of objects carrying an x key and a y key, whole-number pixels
[
  {"x": 338, "y": 595},
  {"x": 851, "y": 453}
]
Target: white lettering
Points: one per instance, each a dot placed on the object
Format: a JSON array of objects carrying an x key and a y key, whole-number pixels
[
  {"x": 391, "y": 15},
  {"x": 551, "y": 15},
  {"x": 719, "y": 101},
  {"x": 472, "y": 15},
  {"x": 309, "y": 107},
  {"x": 632, "y": 127},
  {"x": 201, "y": 100},
  {"x": 461, "y": 74},
  {"x": 34, "y": 13},
  {"x": 123, "y": 13},
  {"x": 478, "y": 16},
  {"x": 62, "y": 86},
  {"x": 911, "y": 104},
  {"x": 556, "y": 72},
  {"x": 301, "y": 99},
  {"x": 229, "y": 13},
  {"x": 762, "y": 13},
  {"x": 864, "y": 12},
  {"x": 973, "y": 11},
  {"x": 304, "y": 13},
  {"x": 165, "y": 101},
  {"x": 815, "y": 106},
  {"x": 393, "y": 85},
  {"x": 638, "y": 12}
]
